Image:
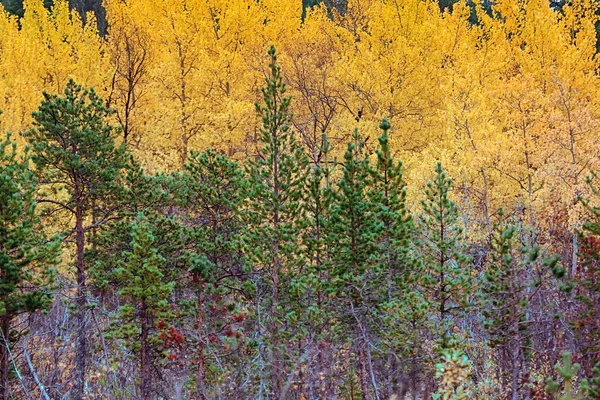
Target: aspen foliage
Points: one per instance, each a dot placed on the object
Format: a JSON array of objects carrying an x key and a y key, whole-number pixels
[
  {"x": 497, "y": 98},
  {"x": 334, "y": 269}
]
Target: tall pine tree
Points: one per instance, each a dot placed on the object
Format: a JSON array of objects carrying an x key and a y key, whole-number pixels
[
  {"x": 79, "y": 168},
  {"x": 211, "y": 198},
  {"x": 447, "y": 275},
  {"x": 400, "y": 307},
  {"x": 275, "y": 216},
  {"x": 356, "y": 273},
  {"x": 148, "y": 209},
  {"x": 144, "y": 289},
  {"x": 506, "y": 291},
  {"x": 311, "y": 285}
]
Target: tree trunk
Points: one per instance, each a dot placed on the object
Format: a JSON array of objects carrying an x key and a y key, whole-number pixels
[
  {"x": 276, "y": 357},
  {"x": 575, "y": 250},
  {"x": 183, "y": 120},
  {"x": 516, "y": 365},
  {"x": 201, "y": 376},
  {"x": 364, "y": 386},
  {"x": 4, "y": 358},
  {"x": 81, "y": 346},
  {"x": 145, "y": 384}
]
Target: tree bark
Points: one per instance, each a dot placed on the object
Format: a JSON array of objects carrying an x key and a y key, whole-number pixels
[
  {"x": 145, "y": 384},
  {"x": 201, "y": 375},
  {"x": 516, "y": 365},
  {"x": 276, "y": 357},
  {"x": 81, "y": 346},
  {"x": 4, "y": 358},
  {"x": 364, "y": 387}
]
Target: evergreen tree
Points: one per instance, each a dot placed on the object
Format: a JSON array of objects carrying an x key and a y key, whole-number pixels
[
  {"x": 319, "y": 198},
  {"x": 15, "y": 7},
  {"x": 505, "y": 291},
  {"x": 148, "y": 204},
  {"x": 79, "y": 168},
  {"x": 389, "y": 195},
  {"x": 400, "y": 304},
  {"x": 141, "y": 193},
  {"x": 446, "y": 278},
  {"x": 511, "y": 281},
  {"x": 144, "y": 289},
  {"x": 591, "y": 386},
  {"x": 567, "y": 371},
  {"x": 356, "y": 273},
  {"x": 275, "y": 216},
  {"x": 26, "y": 258},
  {"x": 311, "y": 285},
  {"x": 211, "y": 198}
]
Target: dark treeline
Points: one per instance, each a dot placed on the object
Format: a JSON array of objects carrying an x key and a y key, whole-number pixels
[
  {"x": 275, "y": 279},
  {"x": 83, "y": 7}
]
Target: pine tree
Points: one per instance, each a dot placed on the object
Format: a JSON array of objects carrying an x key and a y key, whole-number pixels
[
  {"x": 319, "y": 198},
  {"x": 15, "y": 7},
  {"x": 356, "y": 273},
  {"x": 568, "y": 372},
  {"x": 211, "y": 197},
  {"x": 510, "y": 282},
  {"x": 141, "y": 193},
  {"x": 591, "y": 385},
  {"x": 311, "y": 286},
  {"x": 446, "y": 279},
  {"x": 149, "y": 203},
  {"x": 27, "y": 260},
  {"x": 400, "y": 304},
  {"x": 274, "y": 213},
  {"x": 505, "y": 291},
  {"x": 145, "y": 291},
  {"x": 79, "y": 168},
  {"x": 389, "y": 194}
]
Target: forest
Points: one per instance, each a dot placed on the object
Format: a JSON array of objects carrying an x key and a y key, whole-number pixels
[{"x": 259, "y": 199}]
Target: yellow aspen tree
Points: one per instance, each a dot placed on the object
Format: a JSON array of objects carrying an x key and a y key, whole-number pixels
[
  {"x": 308, "y": 67},
  {"x": 43, "y": 50},
  {"x": 573, "y": 122},
  {"x": 233, "y": 69},
  {"x": 179, "y": 82},
  {"x": 201, "y": 83},
  {"x": 131, "y": 57}
]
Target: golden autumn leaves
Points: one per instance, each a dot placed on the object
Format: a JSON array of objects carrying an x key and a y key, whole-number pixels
[{"x": 508, "y": 104}]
